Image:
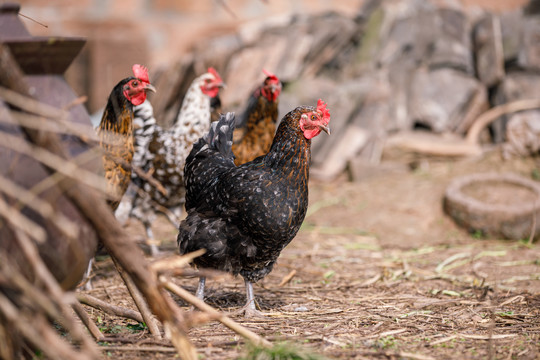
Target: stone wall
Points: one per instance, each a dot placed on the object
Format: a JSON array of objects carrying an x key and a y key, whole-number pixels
[{"x": 396, "y": 67}]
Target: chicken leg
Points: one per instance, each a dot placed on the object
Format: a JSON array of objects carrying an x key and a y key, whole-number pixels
[
  {"x": 249, "y": 308},
  {"x": 154, "y": 250},
  {"x": 200, "y": 288}
]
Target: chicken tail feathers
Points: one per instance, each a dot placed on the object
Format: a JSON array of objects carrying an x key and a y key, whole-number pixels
[
  {"x": 220, "y": 136},
  {"x": 210, "y": 156}
]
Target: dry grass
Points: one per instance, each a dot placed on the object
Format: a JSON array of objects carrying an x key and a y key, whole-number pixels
[{"x": 377, "y": 271}]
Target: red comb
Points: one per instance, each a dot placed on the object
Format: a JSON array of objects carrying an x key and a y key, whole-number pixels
[
  {"x": 321, "y": 106},
  {"x": 141, "y": 73},
  {"x": 213, "y": 71},
  {"x": 270, "y": 75}
]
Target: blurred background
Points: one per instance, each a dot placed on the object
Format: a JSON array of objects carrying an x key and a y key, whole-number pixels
[
  {"x": 156, "y": 33},
  {"x": 421, "y": 93},
  {"x": 384, "y": 67},
  {"x": 159, "y": 33}
]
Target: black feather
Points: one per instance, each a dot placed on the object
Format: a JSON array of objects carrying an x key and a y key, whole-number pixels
[{"x": 244, "y": 216}]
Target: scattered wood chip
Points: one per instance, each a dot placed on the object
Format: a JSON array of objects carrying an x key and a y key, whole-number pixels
[
  {"x": 287, "y": 278},
  {"x": 443, "y": 340}
]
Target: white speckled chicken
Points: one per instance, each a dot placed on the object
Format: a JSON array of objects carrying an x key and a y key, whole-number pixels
[{"x": 162, "y": 153}]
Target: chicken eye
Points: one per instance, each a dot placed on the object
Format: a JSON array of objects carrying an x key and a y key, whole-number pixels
[
  {"x": 135, "y": 83},
  {"x": 313, "y": 117}
]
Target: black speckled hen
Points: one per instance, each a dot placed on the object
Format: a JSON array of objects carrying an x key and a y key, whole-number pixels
[{"x": 245, "y": 215}]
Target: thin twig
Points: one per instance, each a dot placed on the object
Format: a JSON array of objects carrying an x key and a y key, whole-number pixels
[
  {"x": 225, "y": 320},
  {"x": 487, "y": 337},
  {"x": 83, "y": 160},
  {"x": 176, "y": 261},
  {"x": 109, "y": 308},
  {"x": 77, "y": 101},
  {"x": 55, "y": 162},
  {"x": 227, "y": 9},
  {"x": 533, "y": 225},
  {"x": 40, "y": 334},
  {"x": 54, "y": 125},
  {"x": 50, "y": 300},
  {"x": 408, "y": 355},
  {"x": 443, "y": 264},
  {"x": 139, "y": 301},
  {"x": 31, "y": 105},
  {"x": 34, "y": 20},
  {"x": 31, "y": 253},
  {"x": 511, "y": 300},
  {"x": 87, "y": 321},
  {"x": 19, "y": 221},
  {"x": 42, "y": 299},
  {"x": 287, "y": 278},
  {"x": 157, "y": 349},
  {"x": 42, "y": 207},
  {"x": 150, "y": 179},
  {"x": 443, "y": 340}
]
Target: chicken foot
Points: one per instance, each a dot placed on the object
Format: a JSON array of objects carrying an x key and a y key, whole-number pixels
[{"x": 249, "y": 309}]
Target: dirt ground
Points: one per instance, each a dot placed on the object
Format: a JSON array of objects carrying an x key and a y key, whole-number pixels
[{"x": 379, "y": 272}]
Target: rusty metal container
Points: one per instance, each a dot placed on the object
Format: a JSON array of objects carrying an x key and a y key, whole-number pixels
[{"x": 44, "y": 61}]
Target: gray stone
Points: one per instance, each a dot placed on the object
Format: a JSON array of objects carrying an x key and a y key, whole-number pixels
[
  {"x": 440, "y": 99},
  {"x": 512, "y": 34},
  {"x": 489, "y": 50},
  {"x": 529, "y": 53}
]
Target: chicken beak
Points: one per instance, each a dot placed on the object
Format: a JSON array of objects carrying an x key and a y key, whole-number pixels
[
  {"x": 150, "y": 87},
  {"x": 325, "y": 128}
]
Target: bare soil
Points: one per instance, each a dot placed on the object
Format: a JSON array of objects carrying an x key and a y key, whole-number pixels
[{"x": 379, "y": 272}]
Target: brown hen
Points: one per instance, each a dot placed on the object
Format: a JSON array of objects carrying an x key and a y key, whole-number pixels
[
  {"x": 116, "y": 137},
  {"x": 116, "y": 131},
  {"x": 259, "y": 120}
]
